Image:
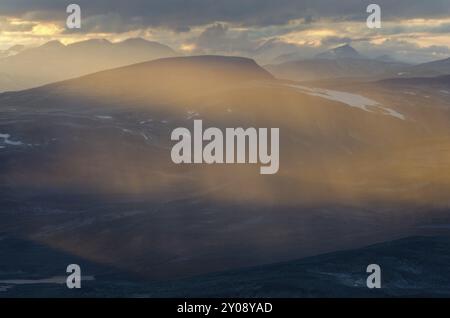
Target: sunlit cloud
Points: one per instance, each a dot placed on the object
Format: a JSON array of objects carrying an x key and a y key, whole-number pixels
[
  {"x": 188, "y": 47},
  {"x": 46, "y": 29}
]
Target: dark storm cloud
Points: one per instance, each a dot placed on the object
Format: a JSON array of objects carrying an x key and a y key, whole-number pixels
[
  {"x": 181, "y": 15},
  {"x": 217, "y": 38}
]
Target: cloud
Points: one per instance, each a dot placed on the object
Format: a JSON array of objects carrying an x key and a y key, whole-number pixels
[
  {"x": 13, "y": 25},
  {"x": 181, "y": 15},
  {"x": 218, "y": 38},
  {"x": 246, "y": 27},
  {"x": 108, "y": 23}
]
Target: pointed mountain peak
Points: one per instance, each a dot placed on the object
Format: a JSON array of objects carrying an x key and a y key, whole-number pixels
[
  {"x": 340, "y": 52},
  {"x": 52, "y": 44}
]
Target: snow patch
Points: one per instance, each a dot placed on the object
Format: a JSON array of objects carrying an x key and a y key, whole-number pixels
[
  {"x": 352, "y": 100},
  {"x": 145, "y": 136},
  {"x": 145, "y": 121},
  {"x": 8, "y": 141},
  {"x": 104, "y": 117},
  {"x": 192, "y": 114},
  {"x": 393, "y": 113}
]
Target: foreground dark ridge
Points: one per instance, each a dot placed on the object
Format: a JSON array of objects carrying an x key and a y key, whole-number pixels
[{"x": 411, "y": 267}]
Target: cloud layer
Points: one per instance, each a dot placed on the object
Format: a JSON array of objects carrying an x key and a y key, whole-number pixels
[
  {"x": 182, "y": 15},
  {"x": 419, "y": 27}
]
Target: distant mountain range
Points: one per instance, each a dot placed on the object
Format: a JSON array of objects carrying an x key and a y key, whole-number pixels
[
  {"x": 22, "y": 68},
  {"x": 430, "y": 69},
  {"x": 319, "y": 69},
  {"x": 346, "y": 62},
  {"x": 12, "y": 51},
  {"x": 55, "y": 61},
  {"x": 340, "y": 62},
  {"x": 428, "y": 82}
]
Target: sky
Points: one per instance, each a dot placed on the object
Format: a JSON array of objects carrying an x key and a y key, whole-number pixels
[{"x": 412, "y": 30}]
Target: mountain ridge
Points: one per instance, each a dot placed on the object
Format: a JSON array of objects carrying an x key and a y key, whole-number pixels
[{"x": 54, "y": 61}]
